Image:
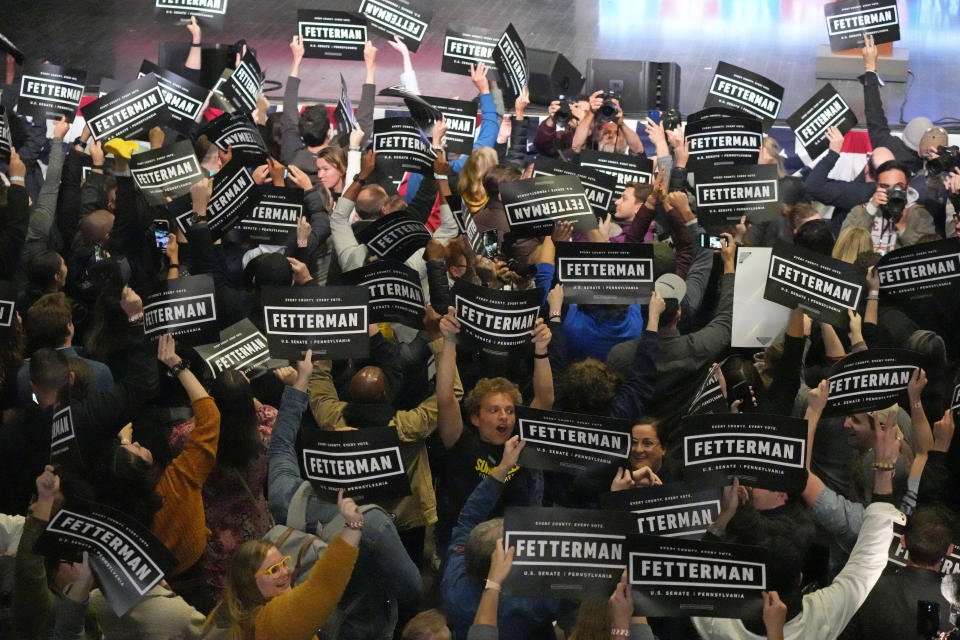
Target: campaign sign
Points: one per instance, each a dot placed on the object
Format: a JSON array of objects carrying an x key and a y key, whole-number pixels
[
  {"x": 126, "y": 557},
  {"x": 395, "y": 236},
  {"x": 766, "y": 451},
  {"x": 824, "y": 288},
  {"x": 49, "y": 91},
  {"x": 237, "y": 132},
  {"x": 169, "y": 171},
  {"x": 209, "y": 13},
  {"x": 898, "y": 556},
  {"x": 674, "y": 509},
  {"x": 338, "y": 35},
  {"x": 497, "y": 321},
  {"x": 709, "y": 397},
  {"x": 565, "y": 553},
  {"x": 461, "y": 119},
  {"x": 183, "y": 307},
  {"x": 234, "y": 194},
  {"x": 605, "y": 273},
  {"x": 401, "y": 140},
  {"x": 869, "y": 380},
  {"x": 184, "y": 99},
  {"x": 745, "y": 91},
  {"x": 534, "y": 205},
  {"x": 333, "y": 321},
  {"x": 599, "y": 188},
  {"x": 408, "y": 19},
  {"x": 723, "y": 139},
  {"x": 8, "y": 305},
  {"x": 242, "y": 89},
  {"x": 620, "y": 167},
  {"x": 343, "y": 116},
  {"x": 510, "y": 57},
  {"x": 241, "y": 348},
  {"x": 680, "y": 578},
  {"x": 849, "y": 21},
  {"x": 724, "y": 194},
  {"x": 920, "y": 271},
  {"x": 127, "y": 112},
  {"x": 825, "y": 109},
  {"x": 571, "y": 442},
  {"x": 955, "y": 402},
  {"x": 64, "y": 449},
  {"x": 465, "y": 222},
  {"x": 274, "y": 216},
  {"x": 464, "y": 46},
  {"x": 365, "y": 463},
  {"x": 6, "y": 143},
  {"x": 396, "y": 294}
]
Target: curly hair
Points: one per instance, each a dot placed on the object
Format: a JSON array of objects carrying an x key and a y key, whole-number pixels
[
  {"x": 486, "y": 386},
  {"x": 588, "y": 386}
]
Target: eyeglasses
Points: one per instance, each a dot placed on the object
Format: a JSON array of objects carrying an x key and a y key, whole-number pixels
[
  {"x": 274, "y": 570},
  {"x": 646, "y": 443}
]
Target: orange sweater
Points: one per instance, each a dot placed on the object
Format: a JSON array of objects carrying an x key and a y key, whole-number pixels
[
  {"x": 298, "y": 613},
  {"x": 180, "y": 524}
]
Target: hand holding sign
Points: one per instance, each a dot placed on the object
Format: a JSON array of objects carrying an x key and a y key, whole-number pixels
[
  {"x": 501, "y": 561},
  {"x": 541, "y": 337},
  {"x": 774, "y": 614},
  {"x": 621, "y": 604},
  {"x": 511, "y": 453},
  {"x": 918, "y": 380},
  {"x": 478, "y": 75},
  {"x": 449, "y": 324},
  {"x": 835, "y": 139}
]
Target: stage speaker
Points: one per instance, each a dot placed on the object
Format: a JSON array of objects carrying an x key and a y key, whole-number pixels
[
  {"x": 551, "y": 74},
  {"x": 642, "y": 85},
  {"x": 214, "y": 58}
]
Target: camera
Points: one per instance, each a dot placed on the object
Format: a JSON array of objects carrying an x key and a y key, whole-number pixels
[
  {"x": 896, "y": 203},
  {"x": 562, "y": 115},
  {"x": 948, "y": 159},
  {"x": 608, "y": 110},
  {"x": 521, "y": 268},
  {"x": 671, "y": 119}
]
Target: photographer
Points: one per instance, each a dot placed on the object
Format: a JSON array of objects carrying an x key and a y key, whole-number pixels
[
  {"x": 602, "y": 127},
  {"x": 892, "y": 215},
  {"x": 555, "y": 133}
]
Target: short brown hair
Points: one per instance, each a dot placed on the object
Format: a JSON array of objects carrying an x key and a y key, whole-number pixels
[
  {"x": 48, "y": 321},
  {"x": 641, "y": 190},
  {"x": 426, "y": 625},
  {"x": 486, "y": 386},
  {"x": 588, "y": 386},
  {"x": 335, "y": 156}
]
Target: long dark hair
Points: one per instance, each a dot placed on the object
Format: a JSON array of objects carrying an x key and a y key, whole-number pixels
[
  {"x": 109, "y": 321},
  {"x": 239, "y": 436},
  {"x": 130, "y": 483}
]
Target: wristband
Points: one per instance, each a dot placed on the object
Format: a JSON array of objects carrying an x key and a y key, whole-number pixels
[
  {"x": 136, "y": 317},
  {"x": 620, "y": 632},
  {"x": 17, "y": 179},
  {"x": 874, "y": 292},
  {"x": 877, "y": 298},
  {"x": 173, "y": 265},
  {"x": 917, "y": 405},
  {"x": 97, "y": 166},
  {"x": 199, "y": 44},
  {"x": 490, "y": 584},
  {"x": 555, "y": 314},
  {"x": 358, "y": 524},
  {"x": 440, "y": 176},
  {"x": 541, "y": 356},
  {"x": 80, "y": 143},
  {"x": 179, "y": 368}
]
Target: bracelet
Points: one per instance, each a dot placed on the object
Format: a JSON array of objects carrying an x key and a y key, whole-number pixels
[
  {"x": 541, "y": 356},
  {"x": 97, "y": 166},
  {"x": 884, "y": 466},
  {"x": 877, "y": 298},
  {"x": 874, "y": 293},
  {"x": 620, "y": 632},
  {"x": 17, "y": 179},
  {"x": 199, "y": 44},
  {"x": 440, "y": 176},
  {"x": 353, "y": 147},
  {"x": 490, "y": 584},
  {"x": 80, "y": 143},
  {"x": 358, "y": 524},
  {"x": 173, "y": 266},
  {"x": 917, "y": 405}
]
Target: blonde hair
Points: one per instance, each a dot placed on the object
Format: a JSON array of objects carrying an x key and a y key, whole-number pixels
[
  {"x": 242, "y": 598},
  {"x": 851, "y": 242},
  {"x": 773, "y": 148},
  {"x": 593, "y": 621},
  {"x": 486, "y": 386},
  {"x": 336, "y": 157},
  {"x": 470, "y": 182},
  {"x": 426, "y": 625}
]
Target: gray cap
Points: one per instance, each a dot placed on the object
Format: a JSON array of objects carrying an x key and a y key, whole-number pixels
[
  {"x": 670, "y": 285},
  {"x": 914, "y": 131}
]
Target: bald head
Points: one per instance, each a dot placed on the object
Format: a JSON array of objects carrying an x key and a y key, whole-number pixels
[
  {"x": 877, "y": 158},
  {"x": 96, "y": 226},
  {"x": 369, "y": 385},
  {"x": 370, "y": 202}
]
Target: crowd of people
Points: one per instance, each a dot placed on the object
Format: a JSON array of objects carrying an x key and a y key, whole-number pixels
[{"x": 211, "y": 465}]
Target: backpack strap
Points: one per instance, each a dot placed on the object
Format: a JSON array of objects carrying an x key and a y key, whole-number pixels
[{"x": 297, "y": 509}]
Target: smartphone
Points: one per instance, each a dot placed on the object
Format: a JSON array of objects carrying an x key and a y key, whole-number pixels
[
  {"x": 711, "y": 242},
  {"x": 286, "y": 172},
  {"x": 928, "y": 618},
  {"x": 161, "y": 233},
  {"x": 654, "y": 115},
  {"x": 490, "y": 245}
]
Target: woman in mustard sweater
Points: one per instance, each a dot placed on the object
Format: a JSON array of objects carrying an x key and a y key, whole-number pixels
[{"x": 259, "y": 603}]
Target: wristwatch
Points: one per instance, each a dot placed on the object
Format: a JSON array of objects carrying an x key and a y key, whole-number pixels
[
  {"x": 179, "y": 368},
  {"x": 360, "y": 179}
]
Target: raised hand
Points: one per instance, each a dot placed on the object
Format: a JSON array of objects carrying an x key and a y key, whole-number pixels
[
  {"x": 478, "y": 75},
  {"x": 835, "y": 138}
]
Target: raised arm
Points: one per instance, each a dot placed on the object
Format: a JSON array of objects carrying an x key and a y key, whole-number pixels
[
  {"x": 585, "y": 125},
  {"x": 449, "y": 419},
  {"x": 196, "y": 38},
  {"x": 816, "y": 401},
  {"x": 542, "y": 372}
]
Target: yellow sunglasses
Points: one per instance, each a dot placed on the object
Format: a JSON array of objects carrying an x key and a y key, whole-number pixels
[{"x": 274, "y": 570}]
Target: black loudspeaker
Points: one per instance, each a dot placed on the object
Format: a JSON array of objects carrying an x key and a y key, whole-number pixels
[
  {"x": 214, "y": 58},
  {"x": 642, "y": 85},
  {"x": 551, "y": 75}
]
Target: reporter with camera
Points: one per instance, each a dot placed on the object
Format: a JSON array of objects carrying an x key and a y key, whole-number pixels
[
  {"x": 602, "y": 127},
  {"x": 555, "y": 134},
  {"x": 892, "y": 215}
]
